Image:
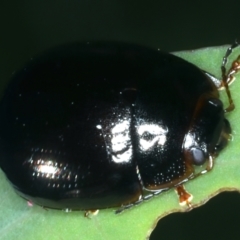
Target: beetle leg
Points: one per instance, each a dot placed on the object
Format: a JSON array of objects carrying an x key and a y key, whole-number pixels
[
  {"x": 185, "y": 198},
  {"x": 208, "y": 168},
  {"x": 29, "y": 203},
  {"x": 233, "y": 70},
  {"x": 91, "y": 213},
  {"x": 228, "y": 77}
]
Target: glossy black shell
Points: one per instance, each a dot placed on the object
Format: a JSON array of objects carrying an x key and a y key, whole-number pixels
[{"x": 89, "y": 126}]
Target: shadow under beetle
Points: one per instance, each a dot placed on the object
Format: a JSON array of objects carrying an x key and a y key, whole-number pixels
[{"x": 98, "y": 125}]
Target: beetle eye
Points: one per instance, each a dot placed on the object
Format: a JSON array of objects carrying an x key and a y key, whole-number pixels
[
  {"x": 147, "y": 136},
  {"x": 198, "y": 156}
]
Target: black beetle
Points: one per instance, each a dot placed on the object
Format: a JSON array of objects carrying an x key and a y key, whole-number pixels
[{"x": 98, "y": 125}]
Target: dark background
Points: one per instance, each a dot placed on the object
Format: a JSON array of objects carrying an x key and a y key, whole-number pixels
[{"x": 28, "y": 27}]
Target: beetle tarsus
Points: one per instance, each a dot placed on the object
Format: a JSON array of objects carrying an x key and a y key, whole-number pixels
[
  {"x": 91, "y": 213},
  {"x": 185, "y": 198}
]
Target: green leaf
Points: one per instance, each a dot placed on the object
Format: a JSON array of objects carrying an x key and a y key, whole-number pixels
[{"x": 18, "y": 221}]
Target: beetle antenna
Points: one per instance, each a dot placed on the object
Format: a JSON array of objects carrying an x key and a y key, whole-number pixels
[{"x": 226, "y": 78}]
